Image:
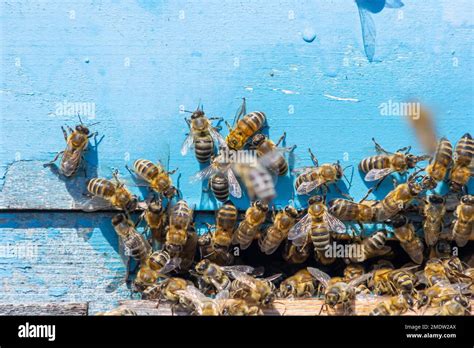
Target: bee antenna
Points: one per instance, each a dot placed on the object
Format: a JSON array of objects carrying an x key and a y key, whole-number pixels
[
  {"x": 80, "y": 120},
  {"x": 92, "y": 124}
]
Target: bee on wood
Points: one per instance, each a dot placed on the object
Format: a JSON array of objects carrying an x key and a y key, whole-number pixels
[
  {"x": 301, "y": 284},
  {"x": 404, "y": 231},
  {"x": 463, "y": 163},
  {"x": 222, "y": 180},
  {"x": 202, "y": 136},
  {"x": 181, "y": 217},
  {"x": 254, "y": 290},
  {"x": 156, "y": 176},
  {"x": 157, "y": 265},
  {"x": 385, "y": 163},
  {"x": 119, "y": 311},
  {"x": 277, "y": 232},
  {"x": 439, "y": 164},
  {"x": 312, "y": 178},
  {"x": 114, "y": 192},
  {"x": 245, "y": 127},
  {"x": 167, "y": 290},
  {"x": 199, "y": 304},
  {"x": 464, "y": 223},
  {"x": 76, "y": 144},
  {"x": 318, "y": 223},
  {"x": 395, "y": 305},
  {"x": 248, "y": 228},
  {"x": 273, "y": 156},
  {"x": 433, "y": 211}
]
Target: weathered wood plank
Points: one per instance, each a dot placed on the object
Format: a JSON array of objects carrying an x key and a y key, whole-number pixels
[
  {"x": 44, "y": 309},
  {"x": 304, "y": 307}
]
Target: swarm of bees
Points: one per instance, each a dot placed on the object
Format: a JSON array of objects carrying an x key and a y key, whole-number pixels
[{"x": 206, "y": 274}]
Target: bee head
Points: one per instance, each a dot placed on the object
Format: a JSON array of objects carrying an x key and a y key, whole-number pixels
[
  {"x": 437, "y": 199},
  {"x": 118, "y": 219},
  {"x": 332, "y": 298},
  {"x": 202, "y": 265},
  {"x": 82, "y": 129},
  {"x": 414, "y": 188},
  {"x": 422, "y": 300},
  {"x": 260, "y": 205},
  {"x": 317, "y": 199},
  {"x": 428, "y": 183},
  {"x": 339, "y": 171},
  {"x": 173, "y": 248},
  {"x": 467, "y": 199},
  {"x": 268, "y": 299},
  {"x": 197, "y": 114},
  {"x": 411, "y": 160},
  {"x": 291, "y": 211},
  {"x": 132, "y": 204},
  {"x": 258, "y": 139},
  {"x": 409, "y": 299},
  {"x": 399, "y": 221},
  {"x": 462, "y": 300},
  {"x": 170, "y": 192},
  {"x": 156, "y": 206},
  {"x": 443, "y": 247}
]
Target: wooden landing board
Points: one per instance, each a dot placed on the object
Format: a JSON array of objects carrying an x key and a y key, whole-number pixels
[
  {"x": 303, "y": 307},
  {"x": 44, "y": 309}
]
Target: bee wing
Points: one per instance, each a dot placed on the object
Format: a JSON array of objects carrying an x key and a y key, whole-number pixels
[
  {"x": 376, "y": 174},
  {"x": 217, "y": 137},
  {"x": 93, "y": 204},
  {"x": 223, "y": 295},
  {"x": 122, "y": 251},
  {"x": 234, "y": 186},
  {"x": 300, "y": 230},
  {"x": 192, "y": 294},
  {"x": 274, "y": 277},
  {"x": 170, "y": 265},
  {"x": 319, "y": 275},
  {"x": 71, "y": 160},
  {"x": 334, "y": 223},
  {"x": 239, "y": 268},
  {"x": 307, "y": 187},
  {"x": 359, "y": 280},
  {"x": 204, "y": 174},
  {"x": 187, "y": 144},
  {"x": 302, "y": 170},
  {"x": 368, "y": 33},
  {"x": 244, "y": 278},
  {"x": 394, "y": 3}
]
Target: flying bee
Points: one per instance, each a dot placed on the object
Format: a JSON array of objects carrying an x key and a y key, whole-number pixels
[
  {"x": 385, "y": 163},
  {"x": 245, "y": 127},
  {"x": 439, "y": 164},
  {"x": 156, "y": 176},
  {"x": 301, "y": 284},
  {"x": 338, "y": 292},
  {"x": 283, "y": 221},
  {"x": 115, "y": 192},
  {"x": 395, "y": 305},
  {"x": 464, "y": 223},
  {"x": 215, "y": 275},
  {"x": 272, "y": 153},
  {"x": 76, "y": 144},
  {"x": 158, "y": 264},
  {"x": 131, "y": 243},
  {"x": 253, "y": 290},
  {"x": 405, "y": 232},
  {"x": 248, "y": 228},
  {"x": 463, "y": 163},
  {"x": 297, "y": 254},
  {"x": 202, "y": 136},
  {"x": 434, "y": 211},
  {"x": 311, "y": 178},
  {"x": 347, "y": 210},
  {"x": 222, "y": 180},
  {"x": 257, "y": 180},
  {"x": 181, "y": 217},
  {"x": 318, "y": 223},
  {"x": 373, "y": 246}
]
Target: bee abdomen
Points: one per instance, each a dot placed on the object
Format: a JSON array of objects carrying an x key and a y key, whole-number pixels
[
  {"x": 203, "y": 148},
  {"x": 101, "y": 187},
  {"x": 146, "y": 169},
  {"x": 320, "y": 237},
  {"x": 462, "y": 232},
  {"x": 464, "y": 150},
  {"x": 343, "y": 209},
  {"x": 444, "y": 152},
  {"x": 374, "y": 162},
  {"x": 377, "y": 241},
  {"x": 220, "y": 187},
  {"x": 252, "y": 122},
  {"x": 226, "y": 217}
]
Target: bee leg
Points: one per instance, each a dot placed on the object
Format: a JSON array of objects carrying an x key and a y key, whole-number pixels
[
  {"x": 405, "y": 149},
  {"x": 70, "y": 129},
  {"x": 64, "y": 133},
  {"x": 229, "y": 127},
  {"x": 379, "y": 149},
  {"x": 172, "y": 171},
  {"x": 380, "y": 182},
  {"x": 367, "y": 195},
  {"x": 313, "y": 158},
  {"x": 281, "y": 139},
  {"x": 54, "y": 159}
]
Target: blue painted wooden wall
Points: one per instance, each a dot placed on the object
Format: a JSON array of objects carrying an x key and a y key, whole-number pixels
[{"x": 140, "y": 62}]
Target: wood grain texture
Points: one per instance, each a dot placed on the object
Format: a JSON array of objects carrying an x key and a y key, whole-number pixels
[{"x": 34, "y": 309}]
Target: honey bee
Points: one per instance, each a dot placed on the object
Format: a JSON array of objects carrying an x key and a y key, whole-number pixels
[
  {"x": 402, "y": 281},
  {"x": 167, "y": 290},
  {"x": 457, "y": 306},
  {"x": 336, "y": 291},
  {"x": 188, "y": 253},
  {"x": 222, "y": 180},
  {"x": 226, "y": 218},
  {"x": 297, "y": 254},
  {"x": 131, "y": 243},
  {"x": 119, "y": 311},
  {"x": 200, "y": 304},
  {"x": 239, "y": 307},
  {"x": 216, "y": 276},
  {"x": 463, "y": 163},
  {"x": 257, "y": 180},
  {"x": 283, "y": 221},
  {"x": 385, "y": 163},
  {"x": 311, "y": 178},
  {"x": 114, "y": 192},
  {"x": 396, "y": 200},
  {"x": 156, "y": 176},
  {"x": 373, "y": 246},
  {"x": 158, "y": 264},
  {"x": 76, "y": 144},
  {"x": 395, "y": 305},
  {"x": 439, "y": 164},
  {"x": 433, "y": 273},
  {"x": 318, "y": 223},
  {"x": 405, "y": 232},
  {"x": 202, "y": 136},
  {"x": 379, "y": 282},
  {"x": 464, "y": 223},
  {"x": 301, "y": 284},
  {"x": 218, "y": 256},
  {"x": 253, "y": 290},
  {"x": 272, "y": 153},
  {"x": 248, "y": 228},
  {"x": 442, "y": 248},
  {"x": 347, "y": 210},
  {"x": 181, "y": 217},
  {"x": 434, "y": 211},
  {"x": 245, "y": 127},
  {"x": 156, "y": 220},
  {"x": 352, "y": 271},
  {"x": 439, "y": 293}
]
